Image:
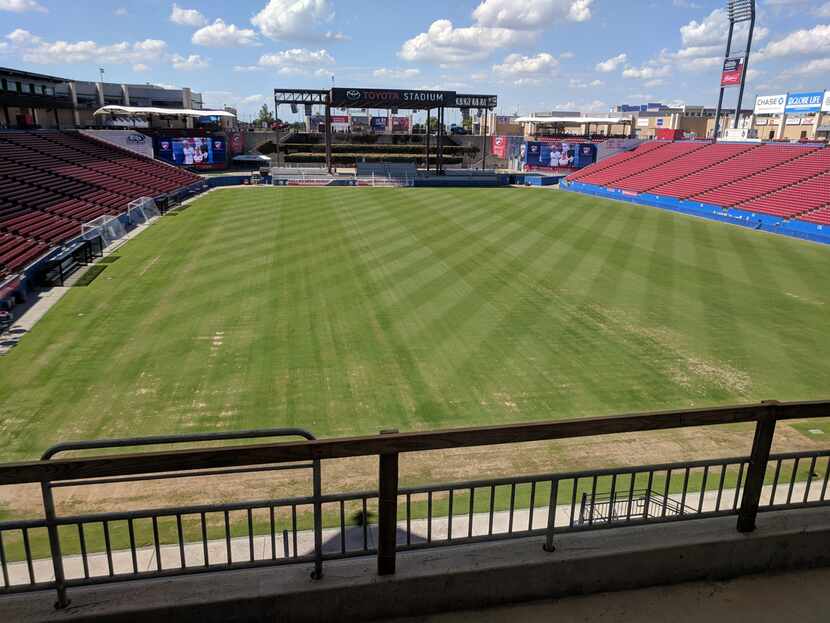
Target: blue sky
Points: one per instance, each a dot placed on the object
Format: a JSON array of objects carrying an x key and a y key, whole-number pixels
[{"x": 535, "y": 54}]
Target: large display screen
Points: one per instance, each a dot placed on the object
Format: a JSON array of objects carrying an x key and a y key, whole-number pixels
[
  {"x": 200, "y": 152},
  {"x": 550, "y": 156}
]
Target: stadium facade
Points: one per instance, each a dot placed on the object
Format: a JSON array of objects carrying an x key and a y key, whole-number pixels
[{"x": 31, "y": 100}]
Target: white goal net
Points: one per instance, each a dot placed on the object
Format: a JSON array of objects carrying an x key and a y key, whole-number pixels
[
  {"x": 108, "y": 228},
  {"x": 142, "y": 210}
]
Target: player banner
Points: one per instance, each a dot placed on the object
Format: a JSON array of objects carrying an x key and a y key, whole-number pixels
[
  {"x": 499, "y": 147},
  {"x": 733, "y": 70}
]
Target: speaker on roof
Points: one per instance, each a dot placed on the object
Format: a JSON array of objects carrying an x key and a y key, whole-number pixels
[
  {"x": 394, "y": 111},
  {"x": 294, "y": 108},
  {"x": 308, "y": 110}
]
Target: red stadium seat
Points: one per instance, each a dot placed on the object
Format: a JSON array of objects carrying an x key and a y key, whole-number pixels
[{"x": 52, "y": 182}]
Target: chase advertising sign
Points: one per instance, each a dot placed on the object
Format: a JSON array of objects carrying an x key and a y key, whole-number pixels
[
  {"x": 770, "y": 104},
  {"x": 804, "y": 102}
]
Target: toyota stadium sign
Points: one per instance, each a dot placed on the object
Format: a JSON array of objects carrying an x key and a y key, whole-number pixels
[
  {"x": 390, "y": 98},
  {"x": 408, "y": 100},
  {"x": 770, "y": 104}
]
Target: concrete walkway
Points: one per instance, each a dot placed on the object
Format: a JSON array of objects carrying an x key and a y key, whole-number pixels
[
  {"x": 122, "y": 562},
  {"x": 798, "y": 596}
]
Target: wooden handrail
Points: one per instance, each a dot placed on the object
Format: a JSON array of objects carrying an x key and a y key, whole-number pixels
[{"x": 260, "y": 454}]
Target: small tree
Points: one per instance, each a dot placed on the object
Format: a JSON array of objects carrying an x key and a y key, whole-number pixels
[{"x": 265, "y": 116}]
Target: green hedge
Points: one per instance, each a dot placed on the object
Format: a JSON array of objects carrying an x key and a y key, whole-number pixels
[{"x": 352, "y": 159}]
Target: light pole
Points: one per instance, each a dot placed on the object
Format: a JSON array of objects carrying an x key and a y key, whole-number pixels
[{"x": 739, "y": 11}]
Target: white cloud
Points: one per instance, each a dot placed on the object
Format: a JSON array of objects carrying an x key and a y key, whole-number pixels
[
  {"x": 36, "y": 50},
  {"x": 216, "y": 100},
  {"x": 572, "y": 106},
  {"x": 711, "y": 30},
  {"x": 817, "y": 66},
  {"x": 298, "y": 62},
  {"x": 823, "y": 10},
  {"x": 714, "y": 29},
  {"x": 528, "y": 82},
  {"x": 139, "y": 67},
  {"x": 296, "y": 56},
  {"x": 801, "y": 42},
  {"x": 647, "y": 72},
  {"x": 699, "y": 50},
  {"x": 248, "y": 68},
  {"x": 543, "y": 64},
  {"x": 530, "y": 14},
  {"x": 22, "y": 37},
  {"x": 187, "y": 17},
  {"x": 396, "y": 74},
  {"x": 700, "y": 63},
  {"x": 121, "y": 12},
  {"x": 578, "y": 83},
  {"x": 22, "y": 6},
  {"x": 193, "y": 62},
  {"x": 295, "y": 19},
  {"x": 222, "y": 35},
  {"x": 612, "y": 64},
  {"x": 445, "y": 44}
]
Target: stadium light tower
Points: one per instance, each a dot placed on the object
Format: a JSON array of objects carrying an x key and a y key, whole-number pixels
[{"x": 735, "y": 67}]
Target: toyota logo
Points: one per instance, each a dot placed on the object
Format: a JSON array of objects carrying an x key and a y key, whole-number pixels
[{"x": 353, "y": 95}]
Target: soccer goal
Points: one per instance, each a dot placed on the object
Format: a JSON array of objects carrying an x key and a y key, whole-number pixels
[
  {"x": 142, "y": 210},
  {"x": 108, "y": 228}
]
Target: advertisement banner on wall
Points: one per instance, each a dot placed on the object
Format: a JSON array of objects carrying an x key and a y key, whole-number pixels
[
  {"x": 499, "y": 146},
  {"x": 236, "y": 143},
  {"x": 733, "y": 70},
  {"x": 770, "y": 104},
  {"x": 804, "y": 102},
  {"x": 130, "y": 140},
  {"x": 379, "y": 124},
  {"x": 400, "y": 124},
  {"x": 825, "y": 107}
]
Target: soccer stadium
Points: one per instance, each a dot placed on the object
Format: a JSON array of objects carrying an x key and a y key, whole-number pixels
[{"x": 390, "y": 352}]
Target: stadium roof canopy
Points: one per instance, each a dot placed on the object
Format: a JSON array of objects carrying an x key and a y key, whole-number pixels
[
  {"x": 575, "y": 120},
  {"x": 136, "y": 111}
]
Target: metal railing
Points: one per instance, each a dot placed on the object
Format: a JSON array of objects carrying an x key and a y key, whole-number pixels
[{"x": 95, "y": 548}]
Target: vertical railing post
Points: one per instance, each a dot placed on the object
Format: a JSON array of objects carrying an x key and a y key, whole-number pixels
[
  {"x": 387, "y": 509},
  {"x": 756, "y": 472},
  {"x": 317, "y": 574},
  {"x": 554, "y": 494},
  {"x": 54, "y": 545}
]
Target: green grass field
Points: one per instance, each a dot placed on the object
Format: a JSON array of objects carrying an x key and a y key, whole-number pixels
[{"x": 346, "y": 310}]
